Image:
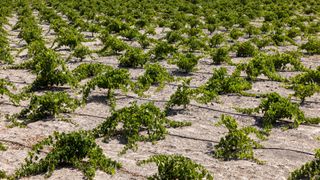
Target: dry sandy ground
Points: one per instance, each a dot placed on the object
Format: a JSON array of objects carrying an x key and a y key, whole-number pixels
[{"x": 284, "y": 150}]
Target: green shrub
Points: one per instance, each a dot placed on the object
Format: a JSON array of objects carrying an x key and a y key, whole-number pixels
[
  {"x": 87, "y": 70},
  {"x": 134, "y": 57},
  {"x": 173, "y": 36},
  {"x": 237, "y": 144},
  {"x": 251, "y": 30},
  {"x": 275, "y": 108},
  {"x": 310, "y": 170},
  {"x": 306, "y": 84},
  {"x": 182, "y": 96},
  {"x": 81, "y": 51},
  {"x": 176, "y": 167},
  {"x": 5, "y": 89},
  {"x": 221, "y": 83},
  {"x": 235, "y": 34},
  {"x": 246, "y": 49},
  {"x": 112, "y": 46},
  {"x": 5, "y": 56},
  {"x": 312, "y": 46},
  {"x": 51, "y": 104},
  {"x": 135, "y": 120},
  {"x": 154, "y": 74},
  {"x": 68, "y": 37},
  {"x": 269, "y": 65},
  {"x": 220, "y": 55},
  {"x": 216, "y": 40},
  {"x": 50, "y": 70},
  {"x": 162, "y": 50},
  {"x": 110, "y": 79},
  {"x": 260, "y": 43},
  {"x": 186, "y": 63},
  {"x": 77, "y": 149},
  {"x": 144, "y": 41},
  {"x": 3, "y": 174},
  {"x": 293, "y": 32},
  {"x": 2, "y": 148},
  {"x": 130, "y": 34}
]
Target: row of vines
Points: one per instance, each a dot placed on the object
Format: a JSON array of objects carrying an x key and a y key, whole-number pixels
[{"x": 218, "y": 31}]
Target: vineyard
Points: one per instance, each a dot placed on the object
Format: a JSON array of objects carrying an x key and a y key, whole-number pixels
[{"x": 167, "y": 89}]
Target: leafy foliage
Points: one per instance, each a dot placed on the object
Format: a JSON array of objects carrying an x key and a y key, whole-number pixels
[
  {"x": 306, "y": 84},
  {"x": 51, "y": 104},
  {"x": 77, "y": 149},
  {"x": 87, "y": 70},
  {"x": 312, "y": 46},
  {"x": 110, "y": 79},
  {"x": 269, "y": 65},
  {"x": 81, "y": 52},
  {"x": 112, "y": 46},
  {"x": 252, "y": 30},
  {"x": 134, "y": 57},
  {"x": 236, "y": 33},
  {"x": 276, "y": 108},
  {"x": 221, "y": 83},
  {"x": 310, "y": 170},
  {"x": 50, "y": 70},
  {"x": 134, "y": 121},
  {"x": 5, "y": 90},
  {"x": 5, "y": 56},
  {"x": 182, "y": 96},
  {"x": 237, "y": 144},
  {"x": 246, "y": 49},
  {"x": 186, "y": 63},
  {"x": 162, "y": 50},
  {"x": 154, "y": 74},
  {"x": 176, "y": 167},
  {"x": 3, "y": 174},
  {"x": 216, "y": 40},
  {"x": 220, "y": 55},
  {"x": 68, "y": 37},
  {"x": 173, "y": 36}
]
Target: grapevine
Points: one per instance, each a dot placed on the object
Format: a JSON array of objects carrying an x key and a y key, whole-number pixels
[
  {"x": 154, "y": 75},
  {"x": 76, "y": 149},
  {"x": 237, "y": 144},
  {"x": 51, "y": 104},
  {"x": 176, "y": 167},
  {"x": 136, "y": 119},
  {"x": 275, "y": 109},
  {"x": 310, "y": 170},
  {"x": 221, "y": 83}
]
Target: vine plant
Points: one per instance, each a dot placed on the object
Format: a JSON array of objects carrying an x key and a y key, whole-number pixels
[
  {"x": 275, "y": 108},
  {"x": 87, "y": 70},
  {"x": 269, "y": 65},
  {"x": 5, "y": 89},
  {"x": 221, "y": 83},
  {"x": 138, "y": 123},
  {"x": 134, "y": 57},
  {"x": 237, "y": 144},
  {"x": 77, "y": 149},
  {"x": 51, "y": 104},
  {"x": 154, "y": 74},
  {"x": 186, "y": 63},
  {"x": 305, "y": 84},
  {"x": 182, "y": 96},
  {"x": 110, "y": 79},
  {"x": 310, "y": 170},
  {"x": 176, "y": 167}
]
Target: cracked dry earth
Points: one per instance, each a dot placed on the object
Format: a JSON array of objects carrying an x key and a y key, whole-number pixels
[{"x": 284, "y": 150}]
